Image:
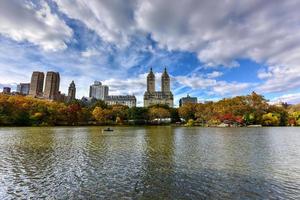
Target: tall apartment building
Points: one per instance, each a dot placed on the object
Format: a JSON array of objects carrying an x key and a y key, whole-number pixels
[
  {"x": 52, "y": 86},
  {"x": 98, "y": 91},
  {"x": 36, "y": 84},
  {"x": 72, "y": 91},
  {"x": 23, "y": 88}
]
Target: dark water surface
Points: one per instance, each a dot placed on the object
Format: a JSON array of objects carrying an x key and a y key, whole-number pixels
[{"x": 149, "y": 163}]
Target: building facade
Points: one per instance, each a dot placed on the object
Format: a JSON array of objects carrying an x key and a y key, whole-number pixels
[
  {"x": 52, "y": 86},
  {"x": 187, "y": 99},
  {"x": 98, "y": 91},
  {"x": 164, "y": 97},
  {"x": 36, "y": 84},
  {"x": 6, "y": 90},
  {"x": 126, "y": 100},
  {"x": 23, "y": 88},
  {"x": 72, "y": 91}
]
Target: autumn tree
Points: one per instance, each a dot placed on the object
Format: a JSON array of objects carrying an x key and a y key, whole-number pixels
[
  {"x": 271, "y": 119},
  {"x": 158, "y": 113},
  {"x": 187, "y": 111}
]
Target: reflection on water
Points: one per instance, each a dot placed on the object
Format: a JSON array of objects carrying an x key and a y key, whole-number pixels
[{"x": 150, "y": 162}]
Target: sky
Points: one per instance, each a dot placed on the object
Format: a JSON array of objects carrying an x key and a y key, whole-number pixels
[{"x": 212, "y": 49}]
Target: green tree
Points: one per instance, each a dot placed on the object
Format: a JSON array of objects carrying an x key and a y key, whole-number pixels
[{"x": 271, "y": 119}]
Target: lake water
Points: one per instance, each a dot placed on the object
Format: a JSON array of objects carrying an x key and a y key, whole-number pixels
[{"x": 150, "y": 163}]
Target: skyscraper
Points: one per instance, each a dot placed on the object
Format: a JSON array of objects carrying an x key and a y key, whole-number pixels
[
  {"x": 52, "y": 86},
  {"x": 98, "y": 91},
  {"x": 72, "y": 91},
  {"x": 23, "y": 88},
  {"x": 36, "y": 84}
]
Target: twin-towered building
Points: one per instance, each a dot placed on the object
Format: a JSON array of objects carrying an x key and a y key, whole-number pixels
[
  {"x": 51, "y": 90},
  {"x": 163, "y": 97}
]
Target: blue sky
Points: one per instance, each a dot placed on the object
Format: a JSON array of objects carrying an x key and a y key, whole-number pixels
[{"x": 212, "y": 50}]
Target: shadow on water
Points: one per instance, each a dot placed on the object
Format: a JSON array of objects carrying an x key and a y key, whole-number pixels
[{"x": 149, "y": 163}]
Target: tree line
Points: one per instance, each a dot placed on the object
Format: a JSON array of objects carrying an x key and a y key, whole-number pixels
[{"x": 237, "y": 111}]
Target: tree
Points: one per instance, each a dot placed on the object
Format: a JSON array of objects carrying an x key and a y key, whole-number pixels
[
  {"x": 174, "y": 115},
  {"x": 281, "y": 112},
  {"x": 119, "y": 112},
  {"x": 158, "y": 113},
  {"x": 72, "y": 113},
  {"x": 138, "y": 115},
  {"x": 187, "y": 111},
  {"x": 103, "y": 115},
  {"x": 99, "y": 114},
  {"x": 271, "y": 119},
  {"x": 205, "y": 112}
]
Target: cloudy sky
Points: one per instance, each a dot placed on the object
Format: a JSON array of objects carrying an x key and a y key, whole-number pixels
[{"x": 212, "y": 49}]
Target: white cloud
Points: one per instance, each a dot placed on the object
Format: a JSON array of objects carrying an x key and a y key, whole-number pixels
[
  {"x": 222, "y": 32},
  {"x": 232, "y": 88},
  {"x": 214, "y": 74},
  {"x": 112, "y": 20},
  {"x": 130, "y": 86},
  {"x": 280, "y": 79},
  {"x": 38, "y": 25},
  {"x": 287, "y": 98},
  {"x": 89, "y": 53},
  {"x": 197, "y": 82}
]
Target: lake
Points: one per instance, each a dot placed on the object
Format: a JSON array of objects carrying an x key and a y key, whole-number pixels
[{"x": 150, "y": 163}]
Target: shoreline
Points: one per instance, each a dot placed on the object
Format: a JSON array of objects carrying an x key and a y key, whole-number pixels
[{"x": 148, "y": 125}]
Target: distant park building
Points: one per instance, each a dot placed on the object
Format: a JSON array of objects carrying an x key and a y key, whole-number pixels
[
  {"x": 98, "y": 91},
  {"x": 36, "y": 84},
  {"x": 126, "y": 100},
  {"x": 164, "y": 97},
  {"x": 187, "y": 99},
  {"x": 6, "y": 90},
  {"x": 72, "y": 91},
  {"x": 23, "y": 88},
  {"x": 52, "y": 86}
]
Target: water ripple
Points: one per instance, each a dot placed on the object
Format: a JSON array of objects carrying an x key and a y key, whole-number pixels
[{"x": 149, "y": 163}]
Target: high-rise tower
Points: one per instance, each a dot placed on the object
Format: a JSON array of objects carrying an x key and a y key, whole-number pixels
[
  {"x": 52, "y": 86},
  {"x": 36, "y": 84},
  {"x": 151, "y": 82},
  {"x": 98, "y": 91},
  {"x": 165, "y": 82},
  {"x": 72, "y": 91},
  {"x": 23, "y": 88}
]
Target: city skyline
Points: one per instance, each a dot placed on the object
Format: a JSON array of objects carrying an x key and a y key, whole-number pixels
[{"x": 243, "y": 47}]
